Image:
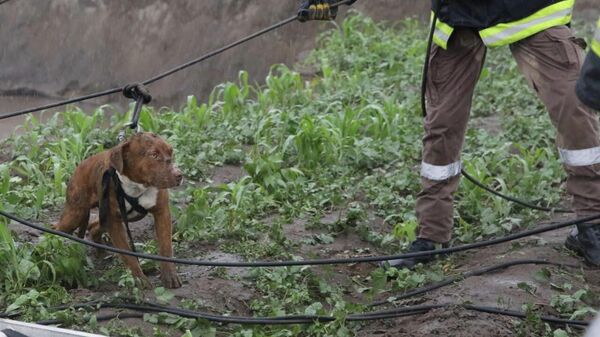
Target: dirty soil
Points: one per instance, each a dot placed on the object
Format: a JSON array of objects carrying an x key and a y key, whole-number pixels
[
  {"x": 63, "y": 70},
  {"x": 503, "y": 289},
  {"x": 228, "y": 290}
]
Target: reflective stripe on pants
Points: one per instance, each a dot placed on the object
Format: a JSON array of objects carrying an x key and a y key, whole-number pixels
[{"x": 440, "y": 172}]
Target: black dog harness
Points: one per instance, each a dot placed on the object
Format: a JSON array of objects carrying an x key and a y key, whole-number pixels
[{"x": 104, "y": 205}]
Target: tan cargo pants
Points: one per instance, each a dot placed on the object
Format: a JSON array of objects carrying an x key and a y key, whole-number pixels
[{"x": 550, "y": 61}]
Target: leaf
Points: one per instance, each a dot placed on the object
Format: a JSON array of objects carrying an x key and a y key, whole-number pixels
[
  {"x": 579, "y": 294},
  {"x": 324, "y": 238},
  {"x": 582, "y": 312},
  {"x": 163, "y": 295},
  {"x": 379, "y": 280},
  {"x": 560, "y": 333},
  {"x": 343, "y": 332},
  {"x": 313, "y": 309},
  {"x": 13, "y": 307},
  {"x": 204, "y": 331},
  {"x": 543, "y": 275},
  {"x": 151, "y": 318},
  {"x": 528, "y": 288},
  {"x": 31, "y": 295},
  {"x": 187, "y": 333},
  {"x": 25, "y": 267},
  {"x": 170, "y": 319}
]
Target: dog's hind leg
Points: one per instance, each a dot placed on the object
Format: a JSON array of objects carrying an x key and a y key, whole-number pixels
[
  {"x": 95, "y": 234},
  {"x": 76, "y": 213},
  {"x": 96, "y": 231},
  {"x": 74, "y": 217}
]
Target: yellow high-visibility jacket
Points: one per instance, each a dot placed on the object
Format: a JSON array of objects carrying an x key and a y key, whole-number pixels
[{"x": 501, "y": 22}]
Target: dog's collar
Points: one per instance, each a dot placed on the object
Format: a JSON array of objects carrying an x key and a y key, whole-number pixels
[
  {"x": 104, "y": 204},
  {"x": 112, "y": 175}
]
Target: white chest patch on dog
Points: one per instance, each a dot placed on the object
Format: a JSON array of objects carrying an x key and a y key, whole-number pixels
[
  {"x": 148, "y": 199},
  {"x": 146, "y": 196}
]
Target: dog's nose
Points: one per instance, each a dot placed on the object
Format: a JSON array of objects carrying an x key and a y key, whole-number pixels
[{"x": 178, "y": 175}]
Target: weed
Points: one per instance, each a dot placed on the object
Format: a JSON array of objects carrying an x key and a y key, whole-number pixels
[{"x": 348, "y": 138}]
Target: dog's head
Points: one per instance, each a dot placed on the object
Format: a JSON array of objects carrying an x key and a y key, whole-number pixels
[{"x": 146, "y": 159}]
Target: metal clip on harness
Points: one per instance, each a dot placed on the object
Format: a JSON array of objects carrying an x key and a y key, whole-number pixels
[{"x": 141, "y": 95}]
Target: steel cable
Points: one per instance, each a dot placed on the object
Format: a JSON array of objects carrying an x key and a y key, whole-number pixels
[{"x": 443, "y": 251}]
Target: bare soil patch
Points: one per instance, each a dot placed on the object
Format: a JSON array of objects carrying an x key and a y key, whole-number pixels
[
  {"x": 226, "y": 174},
  {"x": 455, "y": 322}
]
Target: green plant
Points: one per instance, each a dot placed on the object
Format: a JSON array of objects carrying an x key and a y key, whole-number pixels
[
  {"x": 574, "y": 304},
  {"x": 344, "y": 141}
]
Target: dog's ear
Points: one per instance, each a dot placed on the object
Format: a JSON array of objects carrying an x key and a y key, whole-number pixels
[{"x": 116, "y": 156}]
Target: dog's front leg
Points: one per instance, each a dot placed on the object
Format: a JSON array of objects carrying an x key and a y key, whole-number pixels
[
  {"x": 162, "y": 223},
  {"x": 118, "y": 236}
]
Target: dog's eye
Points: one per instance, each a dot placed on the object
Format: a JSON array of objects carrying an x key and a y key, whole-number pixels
[{"x": 154, "y": 155}]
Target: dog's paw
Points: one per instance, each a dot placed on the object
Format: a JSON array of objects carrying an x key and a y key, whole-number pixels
[{"x": 170, "y": 279}]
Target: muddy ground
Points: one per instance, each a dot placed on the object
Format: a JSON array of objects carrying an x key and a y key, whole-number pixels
[
  {"x": 229, "y": 291},
  {"x": 219, "y": 294}
]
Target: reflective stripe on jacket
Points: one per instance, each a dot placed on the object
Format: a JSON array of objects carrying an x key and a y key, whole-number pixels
[
  {"x": 596, "y": 41},
  {"x": 501, "y": 34}
]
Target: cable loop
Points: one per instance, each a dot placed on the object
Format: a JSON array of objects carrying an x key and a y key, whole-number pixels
[
  {"x": 136, "y": 91},
  {"x": 141, "y": 95}
]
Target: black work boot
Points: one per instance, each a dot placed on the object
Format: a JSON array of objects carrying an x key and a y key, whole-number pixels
[
  {"x": 419, "y": 245},
  {"x": 585, "y": 240}
]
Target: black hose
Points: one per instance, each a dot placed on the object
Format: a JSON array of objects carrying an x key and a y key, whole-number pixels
[
  {"x": 99, "y": 318},
  {"x": 436, "y": 8},
  {"x": 416, "y": 291},
  {"x": 443, "y": 251},
  {"x": 512, "y": 199},
  {"x": 310, "y": 319},
  {"x": 412, "y": 293},
  {"x": 302, "y": 319}
]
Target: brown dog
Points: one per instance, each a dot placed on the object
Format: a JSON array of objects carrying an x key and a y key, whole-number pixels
[{"x": 145, "y": 170}]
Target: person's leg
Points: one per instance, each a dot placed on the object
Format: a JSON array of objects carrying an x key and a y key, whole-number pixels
[
  {"x": 453, "y": 74},
  {"x": 551, "y": 61}
]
